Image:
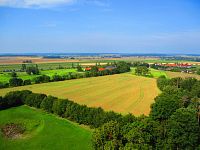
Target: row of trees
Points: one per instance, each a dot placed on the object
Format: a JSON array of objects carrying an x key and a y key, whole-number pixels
[
  {"x": 120, "y": 67},
  {"x": 13, "y": 82},
  {"x": 30, "y": 69},
  {"x": 94, "y": 117},
  {"x": 173, "y": 122}
]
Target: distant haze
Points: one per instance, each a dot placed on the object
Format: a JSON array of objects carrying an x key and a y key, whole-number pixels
[{"x": 100, "y": 26}]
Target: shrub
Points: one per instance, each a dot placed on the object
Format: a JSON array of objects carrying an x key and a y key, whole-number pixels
[
  {"x": 42, "y": 79},
  {"x": 47, "y": 103},
  {"x": 57, "y": 78},
  {"x": 13, "y": 74},
  {"x": 34, "y": 100},
  {"x": 24, "y": 95},
  {"x": 3, "y": 103},
  {"x": 4, "y": 85},
  {"x": 15, "y": 81},
  {"x": 59, "y": 107},
  {"x": 12, "y": 99},
  {"x": 27, "y": 82}
]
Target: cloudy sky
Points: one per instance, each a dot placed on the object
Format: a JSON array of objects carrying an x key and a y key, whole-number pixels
[{"x": 128, "y": 26}]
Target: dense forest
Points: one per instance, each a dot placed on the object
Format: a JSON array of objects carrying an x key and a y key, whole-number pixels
[{"x": 173, "y": 123}]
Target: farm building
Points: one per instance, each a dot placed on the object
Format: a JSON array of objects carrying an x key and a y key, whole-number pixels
[
  {"x": 101, "y": 69},
  {"x": 88, "y": 69}
]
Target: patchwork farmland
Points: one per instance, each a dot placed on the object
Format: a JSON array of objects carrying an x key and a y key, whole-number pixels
[{"x": 124, "y": 93}]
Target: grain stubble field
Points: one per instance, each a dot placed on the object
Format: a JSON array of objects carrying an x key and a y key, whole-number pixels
[{"x": 124, "y": 93}]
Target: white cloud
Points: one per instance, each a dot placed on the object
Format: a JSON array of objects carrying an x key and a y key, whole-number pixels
[{"x": 34, "y": 3}]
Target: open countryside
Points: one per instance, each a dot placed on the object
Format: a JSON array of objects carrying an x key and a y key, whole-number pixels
[
  {"x": 99, "y": 75},
  {"x": 124, "y": 93}
]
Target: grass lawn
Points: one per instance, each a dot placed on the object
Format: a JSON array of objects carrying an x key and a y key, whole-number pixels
[
  {"x": 4, "y": 77},
  {"x": 155, "y": 73},
  {"x": 122, "y": 93},
  {"x": 43, "y": 131}
]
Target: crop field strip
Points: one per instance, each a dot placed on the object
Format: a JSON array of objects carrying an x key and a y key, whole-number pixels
[
  {"x": 50, "y": 66},
  {"x": 182, "y": 75},
  {"x": 4, "y": 77},
  {"x": 122, "y": 93}
]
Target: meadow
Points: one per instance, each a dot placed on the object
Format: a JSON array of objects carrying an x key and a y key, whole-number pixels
[
  {"x": 43, "y": 131},
  {"x": 124, "y": 93},
  {"x": 155, "y": 73}
]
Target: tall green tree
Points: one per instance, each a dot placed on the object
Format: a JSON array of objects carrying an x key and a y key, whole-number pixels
[
  {"x": 166, "y": 104},
  {"x": 47, "y": 103},
  {"x": 183, "y": 129},
  {"x": 13, "y": 74},
  {"x": 106, "y": 135},
  {"x": 15, "y": 81},
  {"x": 142, "y": 70}
]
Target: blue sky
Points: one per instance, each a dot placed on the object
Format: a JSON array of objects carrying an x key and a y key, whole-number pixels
[{"x": 127, "y": 26}]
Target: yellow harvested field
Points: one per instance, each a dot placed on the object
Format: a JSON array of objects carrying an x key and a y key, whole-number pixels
[
  {"x": 124, "y": 93},
  {"x": 182, "y": 75}
]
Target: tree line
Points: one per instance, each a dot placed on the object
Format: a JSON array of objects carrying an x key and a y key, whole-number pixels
[
  {"x": 93, "y": 117},
  {"x": 120, "y": 67}
]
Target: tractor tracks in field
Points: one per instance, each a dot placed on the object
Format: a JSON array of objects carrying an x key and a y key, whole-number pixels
[{"x": 135, "y": 103}]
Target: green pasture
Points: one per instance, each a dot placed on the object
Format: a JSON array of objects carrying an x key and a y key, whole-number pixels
[
  {"x": 4, "y": 76},
  {"x": 155, "y": 73},
  {"x": 43, "y": 131}
]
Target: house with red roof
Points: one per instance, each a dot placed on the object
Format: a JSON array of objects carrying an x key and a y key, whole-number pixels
[
  {"x": 101, "y": 69},
  {"x": 87, "y": 68}
]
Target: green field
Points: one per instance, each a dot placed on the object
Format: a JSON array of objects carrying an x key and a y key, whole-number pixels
[
  {"x": 43, "y": 131},
  {"x": 155, "y": 73},
  {"x": 51, "y": 66},
  {"x": 4, "y": 77},
  {"x": 122, "y": 93},
  {"x": 44, "y": 66}
]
